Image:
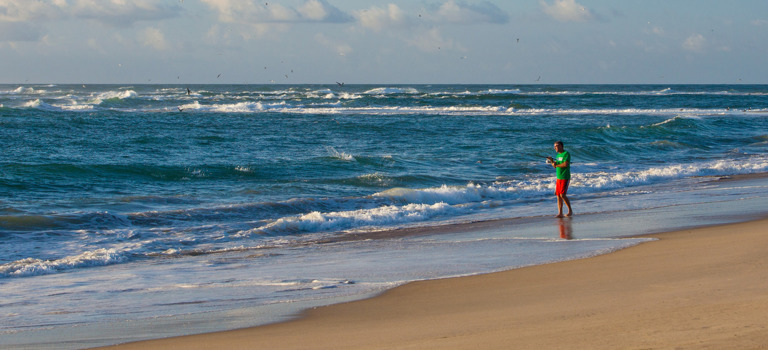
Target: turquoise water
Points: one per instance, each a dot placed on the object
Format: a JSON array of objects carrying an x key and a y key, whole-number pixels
[{"x": 147, "y": 202}]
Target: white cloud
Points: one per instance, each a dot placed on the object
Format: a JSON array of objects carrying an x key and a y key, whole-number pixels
[
  {"x": 122, "y": 12},
  {"x": 154, "y": 38},
  {"x": 253, "y": 11},
  {"x": 484, "y": 12},
  {"x": 25, "y": 10},
  {"x": 321, "y": 11},
  {"x": 313, "y": 10},
  {"x": 113, "y": 12},
  {"x": 567, "y": 11},
  {"x": 236, "y": 11},
  {"x": 695, "y": 42},
  {"x": 377, "y": 18},
  {"x": 234, "y": 35}
]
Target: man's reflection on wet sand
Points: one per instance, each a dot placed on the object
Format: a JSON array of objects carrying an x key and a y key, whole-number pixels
[{"x": 566, "y": 228}]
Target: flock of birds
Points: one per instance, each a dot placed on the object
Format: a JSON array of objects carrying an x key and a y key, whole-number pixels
[
  {"x": 341, "y": 84},
  {"x": 266, "y": 4}
]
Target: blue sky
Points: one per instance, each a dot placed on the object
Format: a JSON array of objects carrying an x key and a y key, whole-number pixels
[{"x": 383, "y": 42}]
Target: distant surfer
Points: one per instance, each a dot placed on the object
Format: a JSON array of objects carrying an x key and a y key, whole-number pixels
[
  {"x": 189, "y": 92},
  {"x": 562, "y": 165}
]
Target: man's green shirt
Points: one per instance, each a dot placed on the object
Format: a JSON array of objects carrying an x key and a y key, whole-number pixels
[{"x": 563, "y": 173}]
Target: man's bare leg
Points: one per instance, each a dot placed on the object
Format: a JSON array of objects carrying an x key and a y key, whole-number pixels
[{"x": 567, "y": 203}]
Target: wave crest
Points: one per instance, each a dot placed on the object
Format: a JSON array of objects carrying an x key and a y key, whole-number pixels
[
  {"x": 35, "y": 267},
  {"x": 120, "y": 95},
  {"x": 392, "y": 91},
  {"x": 355, "y": 219}
]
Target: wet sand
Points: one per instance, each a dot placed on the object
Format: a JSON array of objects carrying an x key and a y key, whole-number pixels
[{"x": 699, "y": 288}]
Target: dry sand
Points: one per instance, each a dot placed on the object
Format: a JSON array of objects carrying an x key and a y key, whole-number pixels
[{"x": 694, "y": 289}]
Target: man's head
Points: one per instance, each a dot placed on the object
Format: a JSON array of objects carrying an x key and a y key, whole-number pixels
[{"x": 559, "y": 146}]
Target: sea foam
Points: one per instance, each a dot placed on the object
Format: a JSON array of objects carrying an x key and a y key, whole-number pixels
[{"x": 33, "y": 266}]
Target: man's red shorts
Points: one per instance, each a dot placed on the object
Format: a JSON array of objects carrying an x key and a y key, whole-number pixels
[{"x": 561, "y": 187}]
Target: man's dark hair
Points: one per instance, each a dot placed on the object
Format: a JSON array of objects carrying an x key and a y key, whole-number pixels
[{"x": 559, "y": 142}]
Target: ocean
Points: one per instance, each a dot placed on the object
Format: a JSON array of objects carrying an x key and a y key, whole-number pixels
[{"x": 142, "y": 211}]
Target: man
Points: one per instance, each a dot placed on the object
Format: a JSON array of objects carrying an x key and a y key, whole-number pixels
[{"x": 562, "y": 165}]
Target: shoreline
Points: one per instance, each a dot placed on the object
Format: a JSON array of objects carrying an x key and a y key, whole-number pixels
[{"x": 701, "y": 287}]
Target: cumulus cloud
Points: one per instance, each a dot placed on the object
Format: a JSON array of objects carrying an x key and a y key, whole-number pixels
[
  {"x": 123, "y": 12},
  {"x": 25, "y": 10},
  {"x": 378, "y": 18},
  {"x": 695, "y": 42},
  {"x": 391, "y": 16},
  {"x": 113, "y": 12},
  {"x": 567, "y": 11},
  {"x": 484, "y": 12},
  {"x": 253, "y": 11}
]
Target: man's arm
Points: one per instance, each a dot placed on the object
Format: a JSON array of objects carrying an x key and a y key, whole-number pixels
[{"x": 561, "y": 165}]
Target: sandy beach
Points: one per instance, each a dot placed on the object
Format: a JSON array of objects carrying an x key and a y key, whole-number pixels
[{"x": 703, "y": 288}]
